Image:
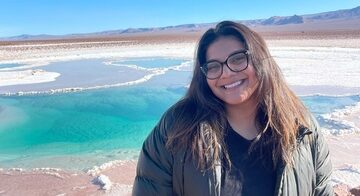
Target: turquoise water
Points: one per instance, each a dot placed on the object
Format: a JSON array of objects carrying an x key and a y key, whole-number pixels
[
  {"x": 326, "y": 104},
  {"x": 79, "y": 123},
  {"x": 155, "y": 62},
  {"x": 107, "y": 120},
  {"x": 319, "y": 105}
]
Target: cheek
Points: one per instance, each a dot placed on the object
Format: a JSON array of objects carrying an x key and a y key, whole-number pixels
[
  {"x": 252, "y": 75},
  {"x": 254, "y": 85},
  {"x": 211, "y": 84}
]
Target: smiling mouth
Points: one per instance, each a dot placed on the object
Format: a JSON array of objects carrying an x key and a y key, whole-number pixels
[{"x": 233, "y": 85}]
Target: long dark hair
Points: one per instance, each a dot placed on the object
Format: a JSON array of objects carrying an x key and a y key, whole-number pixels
[{"x": 201, "y": 116}]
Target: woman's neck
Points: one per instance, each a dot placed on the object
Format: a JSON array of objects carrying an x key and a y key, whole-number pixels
[{"x": 242, "y": 118}]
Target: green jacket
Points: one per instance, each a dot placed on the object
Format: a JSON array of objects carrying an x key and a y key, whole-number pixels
[{"x": 160, "y": 172}]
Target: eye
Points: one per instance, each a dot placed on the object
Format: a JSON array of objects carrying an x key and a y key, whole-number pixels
[
  {"x": 237, "y": 59},
  {"x": 213, "y": 66}
]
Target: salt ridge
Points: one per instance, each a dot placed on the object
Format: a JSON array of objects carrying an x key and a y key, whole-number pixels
[
  {"x": 338, "y": 117},
  {"x": 96, "y": 170}
]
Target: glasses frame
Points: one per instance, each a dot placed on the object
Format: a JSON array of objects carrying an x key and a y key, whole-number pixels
[{"x": 243, "y": 51}]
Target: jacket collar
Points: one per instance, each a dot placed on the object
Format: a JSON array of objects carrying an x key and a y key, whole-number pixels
[{"x": 302, "y": 132}]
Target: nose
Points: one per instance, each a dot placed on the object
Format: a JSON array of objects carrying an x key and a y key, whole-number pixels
[{"x": 226, "y": 71}]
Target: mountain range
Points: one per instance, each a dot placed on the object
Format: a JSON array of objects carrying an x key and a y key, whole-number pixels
[{"x": 346, "y": 19}]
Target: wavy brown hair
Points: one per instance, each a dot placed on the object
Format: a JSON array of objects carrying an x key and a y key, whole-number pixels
[{"x": 200, "y": 117}]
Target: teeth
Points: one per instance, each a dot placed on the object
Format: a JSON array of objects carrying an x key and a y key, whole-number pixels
[{"x": 233, "y": 84}]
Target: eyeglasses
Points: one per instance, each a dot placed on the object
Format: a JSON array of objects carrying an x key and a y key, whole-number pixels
[{"x": 236, "y": 62}]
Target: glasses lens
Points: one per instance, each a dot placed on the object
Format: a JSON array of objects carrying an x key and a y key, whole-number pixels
[
  {"x": 237, "y": 61},
  {"x": 213, "y": 69}
]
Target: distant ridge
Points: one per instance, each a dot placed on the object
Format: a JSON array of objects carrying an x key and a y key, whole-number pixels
[
  {"x": 276, "y": 20},
  {"x": 340, "y": 14},
  {"x": 340, "y": 19}
]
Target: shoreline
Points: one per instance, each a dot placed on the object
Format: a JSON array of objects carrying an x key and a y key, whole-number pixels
[
  {"x": 349, "y": 116},
  {"x": 37, "y": 181}
]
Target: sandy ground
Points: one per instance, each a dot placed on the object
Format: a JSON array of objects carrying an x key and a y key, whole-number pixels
[
  {"x": 56, "y": 182},
  {"x": 49, "y": 182},
  {"x": 344, "y": 149}
]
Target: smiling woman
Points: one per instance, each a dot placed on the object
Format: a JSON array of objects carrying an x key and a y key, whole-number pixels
[
  {"x": 232, "y": 86},
  {"x": 239, "y": 130}
]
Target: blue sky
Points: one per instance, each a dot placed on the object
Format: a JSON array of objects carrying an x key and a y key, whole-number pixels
[{"x": 59, "y": 17}]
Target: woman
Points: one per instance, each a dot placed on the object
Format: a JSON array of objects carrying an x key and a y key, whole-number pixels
[{"x": 239, "y": 130}]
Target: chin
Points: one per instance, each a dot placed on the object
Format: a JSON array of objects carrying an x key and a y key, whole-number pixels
[
  {"x": 234, "y": 101},
  {"x": 239, "y": 100}
]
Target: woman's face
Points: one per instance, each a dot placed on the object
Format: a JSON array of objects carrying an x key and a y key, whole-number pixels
[{"x": 233, "y": 88}]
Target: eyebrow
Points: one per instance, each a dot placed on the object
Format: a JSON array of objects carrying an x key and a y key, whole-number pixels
[{"x": 236, "y": 51}]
